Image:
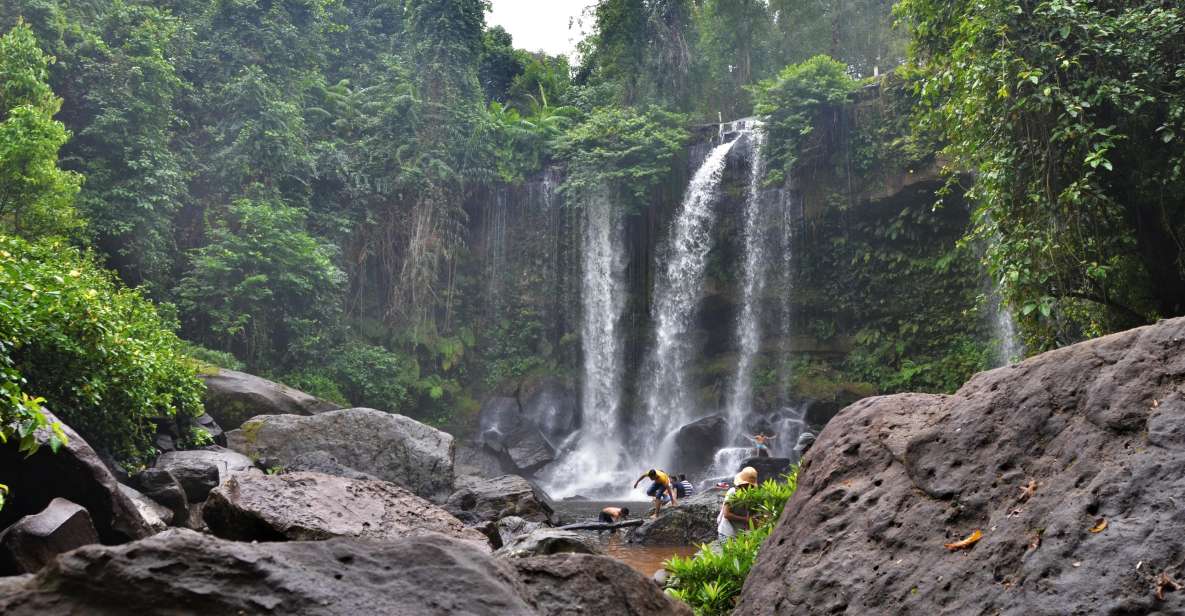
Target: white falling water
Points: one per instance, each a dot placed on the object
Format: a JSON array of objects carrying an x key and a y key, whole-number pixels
[
  {"x": 669, "y": 403},
  {"x": 594, "y": 463},
  {"x": 1010, "y": 348},
  {"x": 740, "y": 399}
]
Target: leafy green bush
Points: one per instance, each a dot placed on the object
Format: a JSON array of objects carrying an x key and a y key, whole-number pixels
[
  {"x": 711, "y": 581},
  {"x": 99, "y": 354},
  {"x": 372, "y": 376}
]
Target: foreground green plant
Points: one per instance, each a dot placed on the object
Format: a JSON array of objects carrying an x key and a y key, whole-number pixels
[{"x": 711, "y": 581}]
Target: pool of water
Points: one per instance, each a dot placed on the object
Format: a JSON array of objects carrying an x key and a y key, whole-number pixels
[{"x": 646, "y": 559}]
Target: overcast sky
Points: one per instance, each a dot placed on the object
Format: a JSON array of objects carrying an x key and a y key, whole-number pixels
[{"x": 540, "y": 25}]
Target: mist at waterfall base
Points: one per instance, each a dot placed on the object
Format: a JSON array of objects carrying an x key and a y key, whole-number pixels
[{"x": 601, "y": 460}]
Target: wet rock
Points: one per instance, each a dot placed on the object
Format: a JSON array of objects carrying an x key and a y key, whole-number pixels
[
  {"x": 580, "y": 584},
  {"x": 155, "y": 514},
  {"x": 696, "y": 441},
  {"x": 511, "y": 527},
  {"x": 545, "y": 541},
  {"x": 201, "y": 470},
  {"x": 162, "y": 487},
  {"x": 477, "y": 461},
  {"x": 206, "y": 422},
  {"x": 383, "y": 445},
  {"x": 691, "y": 523},
  {"x": 234, "y": 397},
  {"x": 28, "y": 545},
  {"x": 180, "y": 571},
  {"x": 552, "y": 406},
  {"x": 75, "y": 473},
  {"x": 1033, "y": 456},
  {"x": 767, "y": 468},
  {"x": 505, "y": 431},
  {"x": 313, "y": 506},
  {"x": 493, "y": 499}
]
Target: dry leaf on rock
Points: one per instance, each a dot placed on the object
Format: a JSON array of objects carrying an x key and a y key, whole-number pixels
[
  {"x": 1099, "y": 526},
  {"x": 971, "y": 540}
]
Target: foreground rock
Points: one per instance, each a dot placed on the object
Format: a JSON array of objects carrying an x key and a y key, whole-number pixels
[
  {"x": 693, "y": 522},
  {"x": 201, "y": 470},
  {"x": 382, "y": 445},
  {"x": 1071, "y": 464},
  {"x": 28, "y": 545},
  {"x": 509, "y": 528},
  {"x": 519, "y": 442},
  {"x": 313, "y": 506},
  {"x": 183, "y": 572},
  {"x": 234, "y": 397},
  {"x": 493, "y": 499},
  {"x": 75, "y": 473},
  {"x": 578, "y": 585},
  {"x": 545, "y": 541}
]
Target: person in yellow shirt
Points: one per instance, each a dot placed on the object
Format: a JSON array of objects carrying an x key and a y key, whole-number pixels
[{"x": 660, "y": 483}]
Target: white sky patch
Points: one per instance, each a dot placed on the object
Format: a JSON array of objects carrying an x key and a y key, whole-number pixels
[{"x": 541, "y": 25}]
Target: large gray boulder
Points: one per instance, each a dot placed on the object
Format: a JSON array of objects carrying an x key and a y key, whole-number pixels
[
  {"x": 693, "y": 522},
  {"x": 505, "y": 431},
  {"x": 75, "y": 473},
  {"x": 201, "y": 470},
  {"x": 490, "y": 499},
  {"x": 183, "y": 572},
  {"x": 580, "y": 584},
  {"x": 1071, "y": 465},
  {"x": 767, "y": 468},
  {"x": 382, "y": 445},
  {"x": 312, "y": 506},
  {"x": 155, "y": 514},
  {"x": 234, "y": 397},
  {"x": 28, "y": 545},
  {"x": 511, "y": 527},
  {"x": 161, "y": 486},
  {"x": 545, "y": 541}
]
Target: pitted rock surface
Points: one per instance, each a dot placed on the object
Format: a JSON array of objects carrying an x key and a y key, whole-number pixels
[{"x": 1034, "y": 456}]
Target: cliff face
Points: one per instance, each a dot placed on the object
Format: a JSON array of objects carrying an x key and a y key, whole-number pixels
[{"x": 1069, "y": 464}]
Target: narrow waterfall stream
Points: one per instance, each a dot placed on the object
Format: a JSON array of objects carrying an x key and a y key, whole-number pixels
[
  {"x": 669, "y": 403},
  {"x": 597, "y": 458},
  {"x": 740, "y": 399}
]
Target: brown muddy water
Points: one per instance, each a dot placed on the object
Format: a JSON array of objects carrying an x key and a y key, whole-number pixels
[{"x": 646, "y": 559}]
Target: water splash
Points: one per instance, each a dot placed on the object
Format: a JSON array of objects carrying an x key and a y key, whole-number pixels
[
  {"x": 669, "y": 403},
  {"x": 740, "y": 399}
]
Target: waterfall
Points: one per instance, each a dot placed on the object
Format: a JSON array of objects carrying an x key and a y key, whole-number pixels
[
  {"x": 595, "y": 461},
  {"x": 677, "y": 290},
  {"x": 740, "y": 399},
  {"x": 1009, "y": 347}
]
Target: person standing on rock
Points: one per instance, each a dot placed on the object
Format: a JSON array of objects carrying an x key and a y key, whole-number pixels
[
  {"x": 762, "y": 443},
  {"x": 660, "y": 484},
  {"x": 729, "y": 516}
]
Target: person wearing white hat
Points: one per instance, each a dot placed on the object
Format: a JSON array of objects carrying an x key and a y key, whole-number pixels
[{"x": 725, "y": 529}]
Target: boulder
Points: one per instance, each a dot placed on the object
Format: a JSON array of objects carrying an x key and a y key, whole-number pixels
[
  {"x": 155, "y": 514},
  {"x": 552, "y": 406},
  {"x": 201, "y": 470},
  {"x": 161, "y": 486},
  {"x": 184, "y": 572},
  {"x": 580, "y": 584},
  {"x": 75, "y": 473},
  {"x": 691, "y": 523},
  {"x": 206, "y": 422},
  {"x": 505, "y": 431},
  {"x": 28, "y": 545},
  {"x": 1066, "y": 463},
  {"x": 767, "y": 468},
  {"x": 312, "y": 506},
  {"x": 493, "y": 499},
  {"x": 697, "y": 441},
  {"x": 510, "y": 527},
  {"x": 234, "y": 397},
  {"x": 383, "y": 445},
  {"x": 544, "y": 541},
  {"x": 478, "y": 461}
]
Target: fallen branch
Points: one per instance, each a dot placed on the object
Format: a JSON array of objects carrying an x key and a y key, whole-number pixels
[{"x": 602, "y": 525}]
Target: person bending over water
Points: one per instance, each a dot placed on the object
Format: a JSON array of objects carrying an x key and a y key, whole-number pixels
[
  {"x": 613, "y": 515},
  {"x": 762, "y": 443},
  {"x": 660, "y": 484},
  {"x": 729, "y": 513}
]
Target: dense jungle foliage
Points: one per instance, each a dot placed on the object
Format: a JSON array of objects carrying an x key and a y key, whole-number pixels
[{"x": 291, "y": 179}]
